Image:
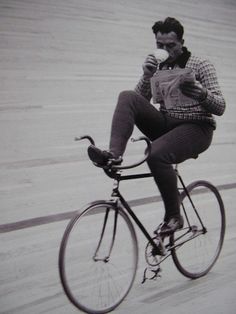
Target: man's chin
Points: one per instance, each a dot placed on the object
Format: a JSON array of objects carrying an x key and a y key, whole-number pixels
[{"x": 170, "y": 60}]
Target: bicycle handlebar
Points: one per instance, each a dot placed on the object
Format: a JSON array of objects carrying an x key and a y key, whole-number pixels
[
  {"x": 146, "y": 154},
  {"x": 120, "y": 167},
  {"x": 88, "y": 137}
]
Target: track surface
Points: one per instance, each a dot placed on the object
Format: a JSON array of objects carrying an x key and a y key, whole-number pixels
[{"x": 63, "y": 64}]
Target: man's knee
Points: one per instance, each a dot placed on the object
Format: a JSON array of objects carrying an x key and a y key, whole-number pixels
[{"x": 127, "y": 94}]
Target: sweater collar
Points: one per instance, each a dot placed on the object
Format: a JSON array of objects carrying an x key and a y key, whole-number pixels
[{"x": 180, "y": 61}]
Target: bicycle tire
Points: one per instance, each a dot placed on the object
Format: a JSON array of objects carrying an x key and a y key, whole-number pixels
[
  {"x": 196, "y": 257},
  {"x": 98, "y": 286}
]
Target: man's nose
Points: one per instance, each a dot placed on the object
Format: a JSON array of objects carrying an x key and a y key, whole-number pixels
[{"x": 165, "y": 48}]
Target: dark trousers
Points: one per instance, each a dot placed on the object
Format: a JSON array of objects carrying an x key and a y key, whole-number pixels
[{"x": 173, "y": 141}]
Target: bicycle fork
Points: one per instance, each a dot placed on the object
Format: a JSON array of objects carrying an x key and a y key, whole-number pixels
[{"x": 105, "y": 259}]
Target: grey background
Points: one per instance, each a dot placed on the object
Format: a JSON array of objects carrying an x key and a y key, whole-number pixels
[{"x": 62, "y": 66}]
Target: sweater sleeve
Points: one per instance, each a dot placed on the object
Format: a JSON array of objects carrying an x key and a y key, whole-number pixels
[
  {"x": 144, "y": 88},
  {"x": 214, "y": 102}
]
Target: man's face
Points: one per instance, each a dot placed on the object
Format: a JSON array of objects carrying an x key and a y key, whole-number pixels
[{"x": 170, "y": 43}]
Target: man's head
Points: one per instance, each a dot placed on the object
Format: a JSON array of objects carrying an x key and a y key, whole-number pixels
[{"x": 169, "y": 36}]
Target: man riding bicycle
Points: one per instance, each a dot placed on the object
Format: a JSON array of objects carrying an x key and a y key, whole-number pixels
[{"x": 178, "y": 130}]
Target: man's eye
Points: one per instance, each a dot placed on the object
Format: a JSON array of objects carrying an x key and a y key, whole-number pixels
[{"x": 160, "y": 45}]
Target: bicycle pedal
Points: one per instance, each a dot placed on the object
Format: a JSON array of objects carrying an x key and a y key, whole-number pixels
[
  {"x": 160, "y": 247},
  {"x": 151, "y": 273}
]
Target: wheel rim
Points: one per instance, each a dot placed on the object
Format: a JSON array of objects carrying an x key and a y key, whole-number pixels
[
  {"x": 98, "y": 285},
  {"x": 196, "y": 257}
]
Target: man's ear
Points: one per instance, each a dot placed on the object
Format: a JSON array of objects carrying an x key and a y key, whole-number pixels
[{"x": 182, "y": 41}]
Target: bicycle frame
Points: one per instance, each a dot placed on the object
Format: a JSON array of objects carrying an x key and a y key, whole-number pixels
[
  {"x": 114, "y": 172},
  {"x": 116, "y": 195}
]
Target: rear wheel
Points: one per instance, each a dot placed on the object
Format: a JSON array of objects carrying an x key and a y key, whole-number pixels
[
  {"x": 204, "y": 229},
  {"x": 98, "y": 258}
]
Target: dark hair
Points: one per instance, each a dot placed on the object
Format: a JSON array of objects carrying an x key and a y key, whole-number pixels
[{"x": 170, "y": 24}]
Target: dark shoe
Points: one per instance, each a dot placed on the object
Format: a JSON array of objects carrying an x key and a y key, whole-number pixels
[
  {"x": 101, "y": 158},
  {"x": 169, "y": 227}
]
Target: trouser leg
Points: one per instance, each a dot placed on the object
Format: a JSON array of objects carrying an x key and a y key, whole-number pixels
[
  {"x": 133, "y": 109},
  {"x": 173, "y": 141},
  {"x": 183, "y": 142}
]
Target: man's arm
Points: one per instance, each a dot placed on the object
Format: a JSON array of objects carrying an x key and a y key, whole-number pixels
[
  {"x": 206, "y": 90},
  {"x": 214, "y": 101},
  {"x": 144, "y": 86}
]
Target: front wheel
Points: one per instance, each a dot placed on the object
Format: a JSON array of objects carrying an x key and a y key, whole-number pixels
[
  {"x": 203, "y": 231},
  {"x": 98, "y": 258}
]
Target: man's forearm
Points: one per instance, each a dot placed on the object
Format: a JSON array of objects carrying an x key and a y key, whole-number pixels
[{"x": 144, "y": 88}]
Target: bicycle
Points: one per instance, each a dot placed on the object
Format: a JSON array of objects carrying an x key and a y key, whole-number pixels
[{"x": 98, "y": 256}]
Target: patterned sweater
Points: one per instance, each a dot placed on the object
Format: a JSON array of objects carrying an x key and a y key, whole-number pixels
[{"x": 205, "y": 73}]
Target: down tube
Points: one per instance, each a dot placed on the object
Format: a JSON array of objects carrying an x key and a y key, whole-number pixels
[{"x": 137, "y": 221}]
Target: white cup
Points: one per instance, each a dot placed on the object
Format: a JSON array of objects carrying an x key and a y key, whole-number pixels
[{"x": 161, "y": 55}]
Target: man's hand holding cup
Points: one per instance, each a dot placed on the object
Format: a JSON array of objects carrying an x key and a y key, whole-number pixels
[{"x": 153, "y": 60}]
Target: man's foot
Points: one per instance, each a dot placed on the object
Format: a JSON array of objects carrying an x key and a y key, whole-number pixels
[
  {"x": 170, "y": 226},
  {"x": 101, "y": 158}
]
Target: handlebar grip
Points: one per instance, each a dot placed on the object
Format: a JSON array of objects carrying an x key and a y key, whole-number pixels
[
  {"x": 88, "y": 137},
  {"x": 143, "y": 138}
]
